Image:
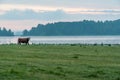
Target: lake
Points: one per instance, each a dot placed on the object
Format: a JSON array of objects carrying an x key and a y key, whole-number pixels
[{"x": 65, "y": 40}]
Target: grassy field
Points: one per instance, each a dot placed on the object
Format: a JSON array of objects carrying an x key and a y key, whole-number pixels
[{"x": 59, "y": 62}]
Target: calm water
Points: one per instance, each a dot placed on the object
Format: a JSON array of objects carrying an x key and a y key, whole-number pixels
[{"x": 65, "y": 40}]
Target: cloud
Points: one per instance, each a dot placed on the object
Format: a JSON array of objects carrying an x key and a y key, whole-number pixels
[
  {"x": 60, "y": 15},
  {"x": 69, "y": 9},
  {"x": 17, "y": 14},
  {"x": 38, "y": 8},
  {"x": 116, "y": 11},
  {"x": 25, "y": 19},
  {"x": 67, "y": 3},
  {"x": 31, "y": 15}
]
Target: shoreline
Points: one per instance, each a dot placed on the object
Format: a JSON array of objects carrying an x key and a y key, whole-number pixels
[{"x": 67, "y": 44}]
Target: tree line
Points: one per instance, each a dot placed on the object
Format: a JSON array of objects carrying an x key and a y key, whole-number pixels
[
  {"x": 5, "y": 32},
  {"x": 85, "y": 27}
]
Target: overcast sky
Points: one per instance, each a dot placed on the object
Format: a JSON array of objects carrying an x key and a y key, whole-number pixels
[{"x": 24, "y": 14}]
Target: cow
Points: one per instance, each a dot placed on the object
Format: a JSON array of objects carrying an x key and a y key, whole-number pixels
[{"x": 23, "y": 40}]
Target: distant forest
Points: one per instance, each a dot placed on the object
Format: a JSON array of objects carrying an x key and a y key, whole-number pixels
[
  {"x": 81, "y": 28},
  {"x": 84, "y": 27},
  {"x": 5, "y": 32}
]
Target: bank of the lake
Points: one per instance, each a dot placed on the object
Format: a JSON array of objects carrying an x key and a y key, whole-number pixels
[{"x": 60, "y": 62}]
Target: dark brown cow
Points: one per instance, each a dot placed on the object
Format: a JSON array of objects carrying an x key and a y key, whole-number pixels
[{"x": 23, "y": 40}]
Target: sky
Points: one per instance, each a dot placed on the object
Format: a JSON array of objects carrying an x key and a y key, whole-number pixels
[{"x": 24, "y": 14}]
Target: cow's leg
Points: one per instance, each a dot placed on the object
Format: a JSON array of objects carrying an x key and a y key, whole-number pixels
[{"x": 18, "y": 42}]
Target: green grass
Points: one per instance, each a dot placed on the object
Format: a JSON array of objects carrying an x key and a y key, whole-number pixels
[{"x": 59, "y": 62}]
